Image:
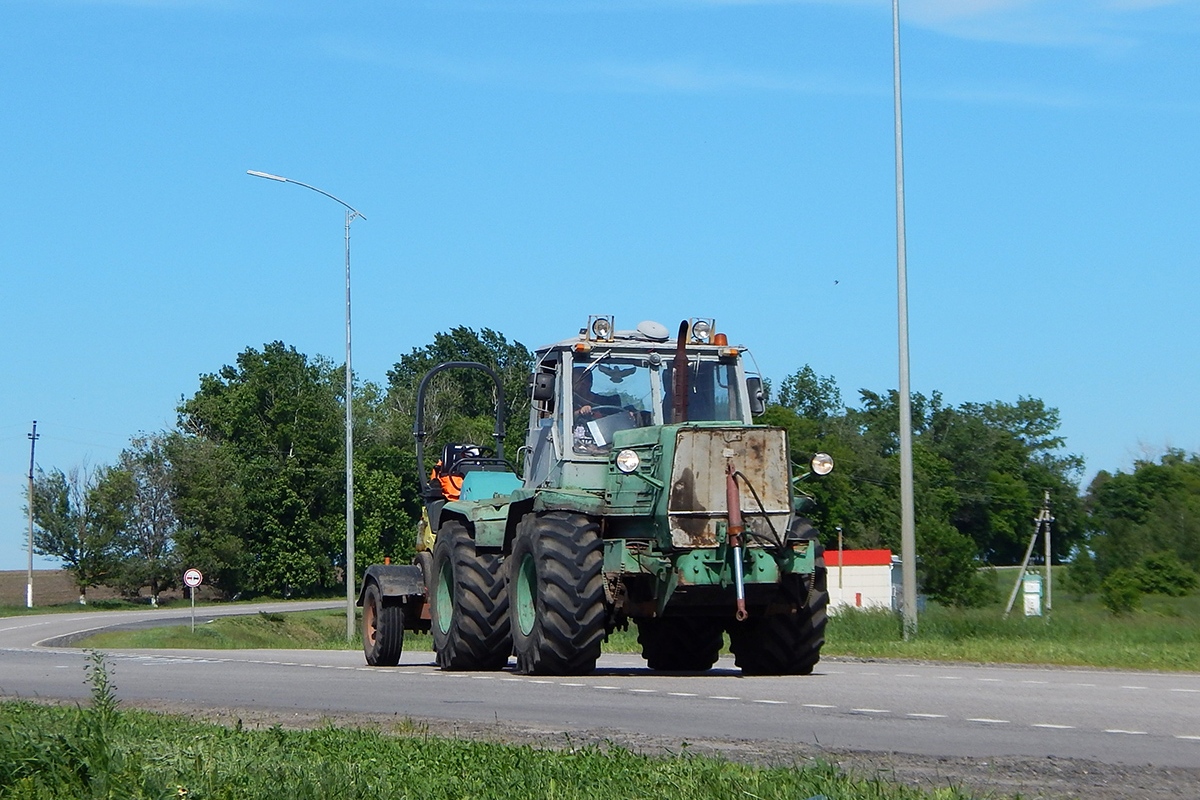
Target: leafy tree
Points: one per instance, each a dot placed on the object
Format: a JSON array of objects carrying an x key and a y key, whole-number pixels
[
  {"x": 810, "y": 395},
  {"x": 136, "y": 494},
  {"x": 68, "y": 525},
  {"x": 274, "y": 424},
  {"x": 460, "y": 404},
  {"x": 1154, "y": 509},
  {"x": 980, "y": 470}
]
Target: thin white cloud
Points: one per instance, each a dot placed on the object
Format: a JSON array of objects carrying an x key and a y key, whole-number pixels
[
  {"x": 679, "y": 76},
  {"x": 1105, "y": 24}
]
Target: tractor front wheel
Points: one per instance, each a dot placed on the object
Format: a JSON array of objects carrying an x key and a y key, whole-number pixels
[
  {"x": 556, "y": 594},
  {"x": 382, "y": 628},
  {"x": 468, "y": 604},
  {"x": 790, "y": 643}
]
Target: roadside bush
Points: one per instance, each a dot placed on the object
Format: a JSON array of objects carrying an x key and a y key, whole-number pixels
[
  {"x": 1082, "y": 577},
  {"x": 1163, "y": 573},
  {"x": 1121, "y": 591}
]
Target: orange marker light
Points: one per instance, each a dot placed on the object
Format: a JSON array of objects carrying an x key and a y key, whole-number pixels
[{"x": 720, "y": 340}]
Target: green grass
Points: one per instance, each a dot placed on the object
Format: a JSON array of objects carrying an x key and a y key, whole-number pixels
[
  {"x": 102, "y": 751},
  {"x": 1164, "y": 635},
  {"x": 309, "y": 630}
]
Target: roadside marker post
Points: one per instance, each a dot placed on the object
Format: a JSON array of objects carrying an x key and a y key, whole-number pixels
[{"x": 193, "y": 578}]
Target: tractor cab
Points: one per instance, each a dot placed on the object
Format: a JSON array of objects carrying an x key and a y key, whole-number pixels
[{"x": 588, "y": 389}]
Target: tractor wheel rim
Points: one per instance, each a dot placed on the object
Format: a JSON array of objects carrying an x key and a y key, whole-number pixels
[
  {"x": 369, "y": 623},
  {"x": 526, "y": 595},
  {"x": 445, "y": 597}
]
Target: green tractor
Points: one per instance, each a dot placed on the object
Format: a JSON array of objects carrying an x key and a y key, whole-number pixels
[{"x": 646, "y": 493}]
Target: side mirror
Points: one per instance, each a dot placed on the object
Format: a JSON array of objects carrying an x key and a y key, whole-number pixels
[
  {"x": 543, "y": 385},
  {"x": 754, "y": 388}
]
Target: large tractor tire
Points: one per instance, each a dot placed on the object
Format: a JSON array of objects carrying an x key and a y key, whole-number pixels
[
  {"x": 468, "y": 604},
  {"x": 681, "y": 644},
  {"x": 790, "y": 643},
  {"x": 556, "y": 594},
  {"x": 382, "y": 628}
]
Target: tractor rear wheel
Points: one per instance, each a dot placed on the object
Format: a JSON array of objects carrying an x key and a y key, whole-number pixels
[
  {"x": 786, "y": 644},
  {"x": 468, "y": 604},
  {"x": 681, "y": 644},
  {"x": 556, "y": 594},
  {"x": 382, "y": 628}
]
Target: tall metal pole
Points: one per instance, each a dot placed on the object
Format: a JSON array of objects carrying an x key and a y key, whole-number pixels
[
  {"x": 349, "y": 450},
  {"x": 351, "y": 213},
  {"x": 33, "y": 437},
  {"x": 908, "y": 546}
]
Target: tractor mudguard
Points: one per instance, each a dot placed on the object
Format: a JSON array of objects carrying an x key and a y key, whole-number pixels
[{"x": 395, "y": 580}]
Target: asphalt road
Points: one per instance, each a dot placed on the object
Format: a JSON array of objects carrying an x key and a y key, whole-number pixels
[{"x": 1132, "y": 718}]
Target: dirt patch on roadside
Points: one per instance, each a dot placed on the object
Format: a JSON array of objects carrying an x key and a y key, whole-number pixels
[{"x": 1043, "y": 779}]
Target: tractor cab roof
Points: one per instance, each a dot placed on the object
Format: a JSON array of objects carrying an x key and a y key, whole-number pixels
[{"x": 601, "y": 333}]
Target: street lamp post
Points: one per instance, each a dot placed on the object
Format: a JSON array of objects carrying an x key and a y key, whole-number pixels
[
  {"x": 908, "y": 548},
  {"x": 351, "y": 214}
]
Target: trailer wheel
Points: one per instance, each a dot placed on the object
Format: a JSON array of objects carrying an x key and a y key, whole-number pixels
[
  {"x": 682, "y": 644},
  {"x": 382, "y": 628},
  {"x": 786, "y": 644},
  {"x": 556, "y": 591},
  {"x": 468, "y": 604}
]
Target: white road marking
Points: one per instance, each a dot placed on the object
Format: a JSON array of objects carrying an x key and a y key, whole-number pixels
[
  {"x": 606, "y": 687},
  {"x": 1193, "y": 738},
  {"x": 573, "y": 684},
  {"x": 683, "y": 694},
  {"x": 928, "y": 716},
  {"x": 1186, "y": 690},
  {"x": 772, "y": 702},
  {"x": 1084, "y": 685},
  {"x": 722, "y": 697},
  {"x": 1127, "y": 733},
  {"x": 950, "y": 677},
  {"x": 486, "y": 678},
  {"x": 906, "y": 675},
  {"x": 989, "y": 680},
  {"x": 989, "y": 721},
  {"x": 540, "y": 681},
  {"x": 1042, "y": 682},
  {"x": 1134, "y": 687},
  {"x": 817, "y": 705},
  {"x": 644, "y": 691},
  {"x": 1053, "y": 727},
  {"x": 870, "y": 711},
  {"x": 503, "y": 679}
]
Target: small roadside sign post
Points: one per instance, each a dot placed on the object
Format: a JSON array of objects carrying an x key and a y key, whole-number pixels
[{"x": 193, "y": 578}]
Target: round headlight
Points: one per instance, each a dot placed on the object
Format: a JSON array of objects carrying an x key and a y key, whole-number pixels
[
  {"x": 602, "y": 328},
  {"x": 701, "y": 330},
  {"x": 628, "y": 461},
  {"x": 822, "y": 463}
]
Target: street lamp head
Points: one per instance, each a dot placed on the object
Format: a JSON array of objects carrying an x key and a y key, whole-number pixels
[{"x": 266, "y": 175}]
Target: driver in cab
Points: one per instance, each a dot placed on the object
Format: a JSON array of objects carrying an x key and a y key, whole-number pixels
[{"x": 588, "y": 406}]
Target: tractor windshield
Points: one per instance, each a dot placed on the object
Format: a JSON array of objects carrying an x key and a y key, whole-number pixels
[
  {"x": 712, "y": 392},
  {"x": 608, "y": 394}
]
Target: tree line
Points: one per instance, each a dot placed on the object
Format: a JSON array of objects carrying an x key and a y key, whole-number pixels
[{"x": 249, "y": 485}]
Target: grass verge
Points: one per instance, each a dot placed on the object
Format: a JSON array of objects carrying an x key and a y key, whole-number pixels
[{"x": 102, "y": 751}]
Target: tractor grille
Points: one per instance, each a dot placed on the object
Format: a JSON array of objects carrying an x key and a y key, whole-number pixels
[{"x": 697, "y": 500}]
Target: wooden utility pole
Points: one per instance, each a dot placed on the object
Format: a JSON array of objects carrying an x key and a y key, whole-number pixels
[
  {"x": 33, "y": 437},
  {"x": 1043, "y": 519}
]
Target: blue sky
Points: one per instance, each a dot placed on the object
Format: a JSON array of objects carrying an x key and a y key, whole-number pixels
[{"x": 524, "y": 164}]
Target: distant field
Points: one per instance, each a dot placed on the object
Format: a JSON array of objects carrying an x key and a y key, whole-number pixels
[{"x": 51, "y": 587}]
